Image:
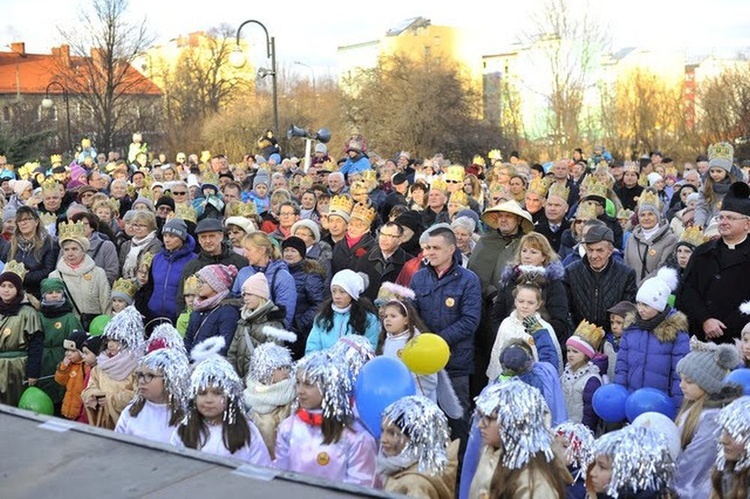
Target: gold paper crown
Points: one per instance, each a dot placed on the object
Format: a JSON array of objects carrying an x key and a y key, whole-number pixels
[
  {"x": 539, "y": 186},
  {"x": 438, "y": 184},
  {"x": 693, "y": 235},
  {"x": 585, "y": 211},
  {"x": 643, "y": 180},
  {"x": 237, "y": 208},
  {"x": 55, "y": 159},
  {"x": 631, "y": 166},
  {"x": 478, "y": 160},
  {"x": 306, "y": 183},
  {"x": 721, "y": 150},
  {"x": 205, "y": 156},
  {"x": 210, "y": 178},
  {"x": 329, "y": 166},
  {"x": 185, "y": 212},
  {"x": 125, "y": 286},
  {"x": 670, "y": 171},
  {"x": 364, "y": 213},
  {"x": 131, "y": 190},
  {"x": 625, "y": 214},
  {"x": 650, "y": 198},
  {"x": 17, "y": 268},
  {"x": 560, "y": 191},
  {"x": 587, "y": 181},
  {"x": 455, "y": 172},
  {"x": 370, "y": 176},
  {"x": 146, "y": 259},
  {"x": 192, "y": 285},
  {"x": 50, "y": 185},
  {"x": 358, "y": 188},
  {"x": 85, "y": 143},
  {"x": 459, "y": 197},
  {"x": 27, "y": 170},
  {"x": 590, "y": 333},
  {"x": 47, "y": 218},
  {"x": 341, "y": 204},
  {"x": 602, "y": 167},
  {"x": 70, "y": 230},
  {"x": 495, "y": 154},
  {"x": 596, "y": 188}
]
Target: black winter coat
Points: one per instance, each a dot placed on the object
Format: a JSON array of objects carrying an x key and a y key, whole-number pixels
[
  {"x": 379, "y": 270},
  {"x": 345, "y": 257},
  {"x": 310, "y": 281},
  {"x": 591, "y": 293}
]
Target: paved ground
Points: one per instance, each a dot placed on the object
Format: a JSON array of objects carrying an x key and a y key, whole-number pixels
[{"x": 43, "y": 457}]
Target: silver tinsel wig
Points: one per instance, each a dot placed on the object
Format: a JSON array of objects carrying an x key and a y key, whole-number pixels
[
  {"x": 215, "y": 371},
  {"x": 426, "y": 427},
  {"x": 127, "y": 328},
  {"x": 640, "y": 460},
  {"x": 356, "y": 350},
  {"x": 166, "y": 336},
  {"x": 266, "y": 358},
  {"x": 174, "y": 366},
  {"x": 735, "y": 420},
  {"x": 521, "y": 412},
  {"x": 579, "y": 440},
  {"x": 332, "y": 377}
]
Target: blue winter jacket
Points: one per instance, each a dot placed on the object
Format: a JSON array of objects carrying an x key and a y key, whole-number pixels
[
  {"x": 311, "y": 292},
  {"x": 323, "y": 339},
  {"x": 451, "y": 306},
  {"x": 219, "y": 321},
  {"x": 649, "y": 358},
  {"x": 281, "y": 283},
  {"x": 166, "y": 272},
  {"x": 358, "y": 165}
]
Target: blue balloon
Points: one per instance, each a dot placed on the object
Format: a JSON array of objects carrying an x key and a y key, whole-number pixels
[
  {"x": 649, "y": 400},
  {"x": 382, "y": 381},
  {"x": 609, "y": 402},
  {"x": 740, "y": 377}
]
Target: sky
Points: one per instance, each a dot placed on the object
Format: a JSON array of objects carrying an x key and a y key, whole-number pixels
[{"x": 310, "y": 35}]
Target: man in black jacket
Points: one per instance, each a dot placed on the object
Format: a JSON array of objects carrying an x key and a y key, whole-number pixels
[{"x": 598, "y": 281}]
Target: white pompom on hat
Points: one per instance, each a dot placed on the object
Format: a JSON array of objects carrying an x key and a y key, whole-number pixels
[{"x": 655, "y": 291}]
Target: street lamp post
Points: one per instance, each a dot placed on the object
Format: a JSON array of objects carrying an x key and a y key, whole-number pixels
[
  {"x": 48, "y": 103},
  {"x": 312, "y": 73},
  {"x": 237, "y": 58}
]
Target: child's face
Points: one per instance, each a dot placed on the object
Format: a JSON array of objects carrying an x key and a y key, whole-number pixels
[
  {"x": 617, "y": 323},
  {"x": 150, "y": 384},
  {"x": 73, "y": 356},
  {"x": 210, "y": 403},
  {"x": 113, "y": 348},
  {"x": 308, "y": 394},
  {"x": 527, "y": 302},
  {"x": 733, "y": 450},
  {"x": 118, "y": 305},
  {"x": 717, "y": 174},
  {"x": 340, "y": 297},
  {"x": 142, "y": 275},
  {"x": 189, "y": 300},
  {"x": 251, "y": 301},
  {"x": 490, "y": 430},
  {"x": 690, "y": 389},
  {"x": 600, "y": 474},
  {"x": 55, "y": 295},
  {"x": 646, "y": 312},
  {"x": 746, "y": 345},
  {"x": 392, "y": 439},
  {"x": 576, "y": 358},
  {"x": 563, "y": 445},
  {"x": 89, "y": 357},
  {"x": 280, "y": 374},
  {"x": 261, "y": 190},
  {"x": 394, "y": 320}
]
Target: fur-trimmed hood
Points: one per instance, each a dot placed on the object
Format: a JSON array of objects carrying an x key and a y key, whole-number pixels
[
  {"x": 554, "y": 271},
  {"x": 667, "y": 331}
]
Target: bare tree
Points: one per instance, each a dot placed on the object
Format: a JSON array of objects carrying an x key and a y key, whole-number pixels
[
  {"x": 98, "y": 71},
  {"x": 568, "y": 44},
  {"x": 724, "y": 107}
]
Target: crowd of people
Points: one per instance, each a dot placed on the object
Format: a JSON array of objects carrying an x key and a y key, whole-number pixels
[{"x": 229, "y": 308}]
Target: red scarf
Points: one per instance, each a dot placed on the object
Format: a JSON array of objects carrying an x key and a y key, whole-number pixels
[
  {"x": 313, "y": 419},
  {"x": 352, "y": 241}
]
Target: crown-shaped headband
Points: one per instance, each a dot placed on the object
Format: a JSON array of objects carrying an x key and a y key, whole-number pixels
[
  {"x": 125, "y": 286},
  {"x": 721, "y": 150},
  {"x": 539, "y": 186},
  {"x": 590, "y": 333},
  {"x": 693, "y": 235},
  {"x": 17, "y": 268},
  {"x": 359, "y": 188},
  {"x": 341, "y": 204},
  {"x": 495, "y": 154},
  {"x": 71, "y": 230},
  {"x": 478, "y": 160},
  {"x": 596, "y": 188},
  {"x": 631, "y": 166},
  {"x": 438, "y": 184},
  {"x": 455, "y": 173},
  {"x": 649, "y": 198},
  {"x": 185, "y": 212},
  {"x": 585, "y": 212},
  {"x": 191, "y": 286},
  {"x": 50, "y": 185},
  {"x": 625, "y": 214},
  {"x": 55, "y": 159},
  {"x": 560, "y": 191},
  {"x": 459, "y": 198},
  {"x": 364, "y": 213},
  {"x": 146, "y": 259}
]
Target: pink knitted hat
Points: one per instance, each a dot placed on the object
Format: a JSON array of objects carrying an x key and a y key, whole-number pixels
[
  {"x": 219, "y": 277},
  {"x": 257, "y": 285}
]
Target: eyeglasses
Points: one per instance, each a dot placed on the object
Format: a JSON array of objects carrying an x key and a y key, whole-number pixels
[
  {"x": 393, "y": 236},
  {"x": 175, "y": 193},
  {"x": 23, "y": 220},
  {"x": 287, "y": 214},
  {"x": 731, "y": 218},
  {"x": 454, "y": 181},
  {"x": 146, "y": 377},
  {"x": 87, "y": 195}
]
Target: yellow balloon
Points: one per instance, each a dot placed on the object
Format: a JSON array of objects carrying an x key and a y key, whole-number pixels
[{"x": 426, "y": 354}]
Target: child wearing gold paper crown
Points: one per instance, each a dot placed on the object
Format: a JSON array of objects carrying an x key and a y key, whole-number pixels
[
  {"x": 190, "y": 291},
  {"x": 123, "y": 291},
  {"x": 581, "y": 376}
]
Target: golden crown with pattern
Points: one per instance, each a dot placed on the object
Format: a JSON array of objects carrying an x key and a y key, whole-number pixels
[
  {"x": 586, "y": 211},
  {"x": 721, "y": 150},
  {"x": 15, "y": 267},
  {"x": 539, "y": 186},
  {"x": 455, "y": 173},
  {"x": 50, "y": 185},
  {"x": 47, "y": 218},
  {"x": 370, "y": 176},
  {"x": 694, "y": 236},
  {"x": 147, "y": 259},
  {"x": 560, "y": 191},
  {"x": 27, "y": 170},
  {"x": 359, "y": 188},
  {"x": 192, "y": 285},
  {"x": 438, "y": 184},
  {"x": 596, "y": 188},
  {"x": 363, "y": 212},
  {"x": 478, "y": 160},
  {"x": 649, "y": 198},
  {"x": 72, "y": 230},
  {"x": 459, "y": 198},
  {"x": 329, "y": 166},
  {"x": 125, "y": 286},
  {"x": 341, "y": 203},
  {"x": 210, "y": 177},
  {"x": 55, "y": 159},
  {"x": 643, "y": 180},
  {"x": 185, "y": 212},
  {"x": 305, "y": 183},
  {"x": 590, "y": 333},
  {"x": 631, "y": 166},
  {"x": 625, "y": 214}
]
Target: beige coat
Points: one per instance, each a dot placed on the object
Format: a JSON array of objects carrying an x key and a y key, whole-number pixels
[
  {"x": 410, "y": 482},
  {"x": 113, "y": 397},
  {"x": 88, "y": 286}
]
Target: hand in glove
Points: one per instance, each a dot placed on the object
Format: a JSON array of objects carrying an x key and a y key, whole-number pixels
[{"x": 531, "y": 324}]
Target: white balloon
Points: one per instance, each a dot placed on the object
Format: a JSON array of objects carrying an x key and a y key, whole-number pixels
[{"x": 666, "y": 426}]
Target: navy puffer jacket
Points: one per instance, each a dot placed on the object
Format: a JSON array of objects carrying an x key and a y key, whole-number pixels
[
  {"x": 166, "y": 273},
  {"x": 219, "y": 321}
]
